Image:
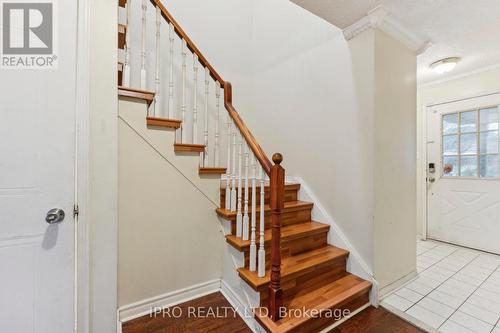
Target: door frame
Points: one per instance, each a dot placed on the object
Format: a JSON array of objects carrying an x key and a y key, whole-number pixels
[
  {"x": 422, "y": 178},
  {"x": 82, "y": 142}
]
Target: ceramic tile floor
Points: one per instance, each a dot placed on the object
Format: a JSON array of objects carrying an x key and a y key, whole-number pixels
[{"x": 457, "y": 290}]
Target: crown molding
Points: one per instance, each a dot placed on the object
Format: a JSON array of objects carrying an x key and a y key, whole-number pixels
[{"x": 379, "y": 18}]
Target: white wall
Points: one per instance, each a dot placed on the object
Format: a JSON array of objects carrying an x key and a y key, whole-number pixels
[
  {"x": 394, "y": 160},
  {"x": 479, "y": 83},
  {"x": 344, "y": 111},
  {"x": 169, "y": 234}
]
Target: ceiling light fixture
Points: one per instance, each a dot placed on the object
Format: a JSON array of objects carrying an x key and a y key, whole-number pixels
[{"x": 444, "y": 65}]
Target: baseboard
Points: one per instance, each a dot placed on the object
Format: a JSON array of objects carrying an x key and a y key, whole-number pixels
[
  {"x": 142, "y": 308},
  {"x": 390, "y": 288},
  {"x": 244, "y": 312},
  {"x": 118, "y": 322},
  {"x": 375, "y": 293}
]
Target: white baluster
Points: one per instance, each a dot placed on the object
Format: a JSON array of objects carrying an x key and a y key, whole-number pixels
[
  {"x": 239, "y": 215},
  {"x": 143, "y": 48},
  {"x": 126, "y": 65},
  {"x": 205, "y": 131},
  {"x": 246, "y": 226},
  {"x": 195, "y": 99},
  {"x": 217, "y": 115},
  {"x": 228, "y": 165},
  {"x": 184, "y": 92},
  {"x": 157, "y": 74},
  {"x": 262, "y": 251},
  {"x": 253, "y": 246},
  {"x": 234, "y": 173},
  {"x": 171, "y": 79}
]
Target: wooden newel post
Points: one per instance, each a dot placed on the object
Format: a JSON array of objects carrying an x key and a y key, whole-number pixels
[{"x": 277, "y": 179}]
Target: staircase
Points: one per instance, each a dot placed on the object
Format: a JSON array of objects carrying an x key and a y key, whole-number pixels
[{"x": 302, "y": 280}]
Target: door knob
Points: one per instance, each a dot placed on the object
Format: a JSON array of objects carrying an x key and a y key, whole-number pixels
[
  {"x": 432, "y": 179},
  {"x": 55, "y": 215}
]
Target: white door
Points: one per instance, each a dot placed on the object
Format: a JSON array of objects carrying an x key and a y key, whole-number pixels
[
  {"x": 464, "y": 189},
  {"x": 37, "y": 157}
]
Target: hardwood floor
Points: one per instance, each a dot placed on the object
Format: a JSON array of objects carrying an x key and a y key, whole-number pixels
[
  {"x": 371, "y": 320},
  {"x": 376, "y": 320},
  {"x": 198, "y": 320}
]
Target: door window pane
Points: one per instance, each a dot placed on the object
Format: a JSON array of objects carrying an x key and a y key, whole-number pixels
[
  {"x": 468, "y": 121},
  {"x": 489, "y": 166},
  {"x": 489, "y": 119},
  {"x": 468, "y": 144},
  {"x": 450, "y": 145},
  {"x": 489, "y": 142},
  {"x": 468, "y": 166},
  {"x": 450, "y": 123},
  {"x": 450, "y": 166}
]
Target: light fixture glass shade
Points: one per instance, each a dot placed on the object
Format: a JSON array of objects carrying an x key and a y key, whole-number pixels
[{"x": 445, "y": 65}]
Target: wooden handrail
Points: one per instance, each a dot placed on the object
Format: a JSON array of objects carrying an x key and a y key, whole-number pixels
[{"x": 275, "y": 171}]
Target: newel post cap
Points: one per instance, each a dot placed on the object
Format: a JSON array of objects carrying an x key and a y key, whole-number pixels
[{"x": 277, "y": 158}]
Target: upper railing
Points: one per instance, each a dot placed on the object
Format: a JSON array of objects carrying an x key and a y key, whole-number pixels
[{"x": 243, "y": 150}]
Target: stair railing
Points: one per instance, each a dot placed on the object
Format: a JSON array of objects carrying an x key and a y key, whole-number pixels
[{"x": 243, "y": 151}]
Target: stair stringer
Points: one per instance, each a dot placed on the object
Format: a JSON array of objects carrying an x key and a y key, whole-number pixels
[{"x": 134, "y": 114}]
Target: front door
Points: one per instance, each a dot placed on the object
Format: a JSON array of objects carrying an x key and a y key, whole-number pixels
[
  {"x": 463, "y": 173},
  {"x": 37, "y": 158}
]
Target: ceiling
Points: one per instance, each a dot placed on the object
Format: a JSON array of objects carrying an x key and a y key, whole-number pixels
[
  {"x": 469, "y": 29},
  {"x": 341, "y": 13}
]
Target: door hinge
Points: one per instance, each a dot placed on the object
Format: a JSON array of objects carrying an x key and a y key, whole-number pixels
[{"x": 76, "y": 210}]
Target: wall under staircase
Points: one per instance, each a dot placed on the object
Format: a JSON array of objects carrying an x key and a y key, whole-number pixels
[{"x": 169, "y": 236}]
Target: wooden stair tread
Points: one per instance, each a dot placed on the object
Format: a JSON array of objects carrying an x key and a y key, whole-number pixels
[
  {"x": 288, "y": 232},
  {"x": 189, "y": 147},
  {"x": 122, "y": 31},
  {"x": 163, "y": 122},
  {"x": 300, "y": 263},
  {"x": 330, "y": 296},
  {"x": 211, "y": 171},
  {"x": 290, "y": 206},
  {"x": 147, "y": 96}
]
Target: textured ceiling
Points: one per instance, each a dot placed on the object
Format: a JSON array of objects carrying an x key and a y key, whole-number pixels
[
  {"x": 469, "y": 29},
  {"x": 341, "y": 13}
]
